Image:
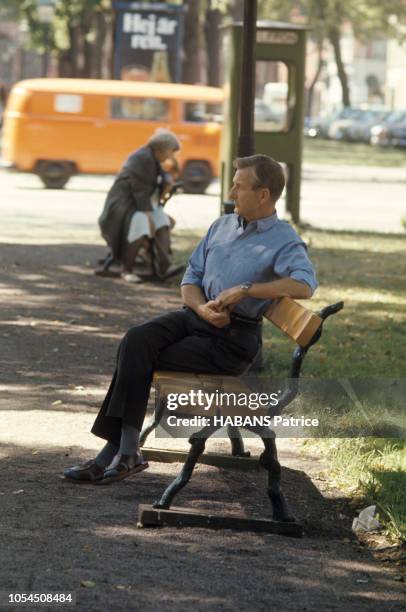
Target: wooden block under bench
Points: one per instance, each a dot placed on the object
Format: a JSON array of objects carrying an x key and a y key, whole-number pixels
[{"x": 148, "y": 516}]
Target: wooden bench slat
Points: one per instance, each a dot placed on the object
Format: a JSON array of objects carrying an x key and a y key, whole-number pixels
[
  {"x": 299, "y": 323},
  {"x": 167, "y": 382}
]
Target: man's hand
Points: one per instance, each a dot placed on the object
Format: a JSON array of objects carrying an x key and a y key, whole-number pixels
[
  {"x": 229, "y": 297},
  {"x": 194, "y": 298},
  {"x": 210, "y": 313}
]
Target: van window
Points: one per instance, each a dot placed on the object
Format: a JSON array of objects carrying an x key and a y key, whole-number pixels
[
  {"x": 68, "y": 103},
  {"x": 198, "y": 112},
  {"x": 143, "y": 109}
]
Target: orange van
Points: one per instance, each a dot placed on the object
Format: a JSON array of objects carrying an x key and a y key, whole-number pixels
[{"x": 57, "y": 128}]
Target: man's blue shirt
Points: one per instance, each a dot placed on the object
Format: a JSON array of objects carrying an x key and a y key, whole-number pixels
[{"x": 263, "y": 251}]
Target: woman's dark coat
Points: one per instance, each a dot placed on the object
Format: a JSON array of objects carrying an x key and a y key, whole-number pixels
[{"x": 131, "y": 192}]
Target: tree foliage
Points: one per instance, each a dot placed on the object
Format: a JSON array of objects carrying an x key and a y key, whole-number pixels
[
  {"x": 73, "y": 33},
  {"x": 369, "y": 19}
]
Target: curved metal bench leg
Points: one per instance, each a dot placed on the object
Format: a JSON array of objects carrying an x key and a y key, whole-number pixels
[
  {"x": 237, "y": 443},
  {"x": 198, "y": 443},
  {"x": 269, "y": 460},
  {"x": 154, "y": 422}
]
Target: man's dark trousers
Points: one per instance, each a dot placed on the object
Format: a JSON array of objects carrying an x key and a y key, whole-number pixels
[{"x": 179, "y": 341}]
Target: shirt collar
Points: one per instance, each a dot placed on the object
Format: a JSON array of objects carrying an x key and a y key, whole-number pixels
[
  {"x": 241, "y": 222},
  {"x": 261, "y": 224}
]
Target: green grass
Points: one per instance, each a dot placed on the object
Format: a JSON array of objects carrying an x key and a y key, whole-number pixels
[
  {"x": 366, "y": 340},
  {"x": 321, "y": 151},
  {"x": 353, "y": 407},
  {"x": 372, "y": 471}
]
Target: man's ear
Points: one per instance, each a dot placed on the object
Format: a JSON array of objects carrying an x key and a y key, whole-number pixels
[{"x": 265, "y": 194}]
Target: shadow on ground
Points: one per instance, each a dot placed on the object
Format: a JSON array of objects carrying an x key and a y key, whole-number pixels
[
  {"x": 60, "y": 327},
  {"x": 59, "y": 535}
]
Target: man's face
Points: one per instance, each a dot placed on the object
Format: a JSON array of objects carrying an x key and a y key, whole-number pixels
[{"x": 247, "y": 200}]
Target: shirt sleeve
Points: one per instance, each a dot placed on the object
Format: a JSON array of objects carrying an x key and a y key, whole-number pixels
[
  {"x": 292, "y": 261},
  {"x": 195, "y": 269}
]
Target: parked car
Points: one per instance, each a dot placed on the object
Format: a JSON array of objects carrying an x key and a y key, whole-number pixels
[
  {"x": 262, "y": 111},
  {"x": 359, "y": 130},
  {"x": 379, "y": 132},
  {"x": 396, "y": 134},
  {"x": 340, "y": 128},
  {"x": 318, "y": 127}
]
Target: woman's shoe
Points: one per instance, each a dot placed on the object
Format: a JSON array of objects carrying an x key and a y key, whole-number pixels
[
  {"x": 131, "y": 278},
  {"x": 107, "y": 273}
]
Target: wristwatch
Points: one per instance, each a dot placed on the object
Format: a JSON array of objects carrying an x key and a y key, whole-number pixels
[{"x": 246, "y": 287}]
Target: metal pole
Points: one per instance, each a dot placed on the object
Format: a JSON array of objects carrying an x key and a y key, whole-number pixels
[{"x": 246, "y": 145}]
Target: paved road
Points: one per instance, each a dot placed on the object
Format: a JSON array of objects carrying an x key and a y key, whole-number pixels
[{"x": 336, "y": 197}]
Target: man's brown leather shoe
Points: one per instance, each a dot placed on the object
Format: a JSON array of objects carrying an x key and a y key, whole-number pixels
[
  {"x": 88, "y": 472},
  {"x": 126, "y": 466}
]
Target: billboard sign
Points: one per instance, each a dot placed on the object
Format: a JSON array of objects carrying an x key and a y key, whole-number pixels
[{"x": 148, "y": 41}]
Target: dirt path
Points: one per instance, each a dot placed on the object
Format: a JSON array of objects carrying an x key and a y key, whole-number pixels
[{"x": 59, "y": 329}]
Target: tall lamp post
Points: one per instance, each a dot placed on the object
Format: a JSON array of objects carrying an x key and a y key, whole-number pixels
[
  {"x": 246, "y": 145},
  {"x": 246, "y": 141},
  {"x": 46, "y": 12}
]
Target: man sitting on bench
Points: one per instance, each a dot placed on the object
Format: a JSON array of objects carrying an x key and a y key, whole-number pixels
[{"x": 246, "y": 260}]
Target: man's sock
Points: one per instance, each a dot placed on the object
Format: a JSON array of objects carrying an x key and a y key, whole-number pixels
[
  {"x": 130, "y": 440},
  {"x": 106, "y": 455}
]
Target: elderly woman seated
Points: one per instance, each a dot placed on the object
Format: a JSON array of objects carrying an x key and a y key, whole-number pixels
[{"x": 133, "y": 215}]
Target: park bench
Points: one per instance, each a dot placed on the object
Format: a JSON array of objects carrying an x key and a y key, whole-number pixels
[{"x": 304, "y": 327}]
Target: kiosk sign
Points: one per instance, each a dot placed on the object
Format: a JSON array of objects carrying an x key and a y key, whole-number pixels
[
  {"x": 148, "y": 41},
  {"x": 277, "y": 37}
]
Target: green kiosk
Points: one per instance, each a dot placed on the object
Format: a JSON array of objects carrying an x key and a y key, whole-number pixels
[{"x": 280, "y": 51}]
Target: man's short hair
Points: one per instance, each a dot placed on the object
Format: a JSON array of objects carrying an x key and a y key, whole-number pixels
[{"x": 268, "y": 173}]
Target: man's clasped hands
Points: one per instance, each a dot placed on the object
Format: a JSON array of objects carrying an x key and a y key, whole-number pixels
[{"x": 217, "y": 312}]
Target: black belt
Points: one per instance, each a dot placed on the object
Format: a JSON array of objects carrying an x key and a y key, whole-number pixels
[{"x": 245, "y": 321}]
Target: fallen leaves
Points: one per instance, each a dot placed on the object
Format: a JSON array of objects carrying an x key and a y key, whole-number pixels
[{"x": 194, "y": 548}]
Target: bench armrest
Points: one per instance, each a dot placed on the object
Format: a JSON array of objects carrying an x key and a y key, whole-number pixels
[{"x": 299, "y": 323}]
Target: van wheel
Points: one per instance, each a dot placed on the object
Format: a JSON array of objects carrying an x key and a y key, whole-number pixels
[
  {"x": 196, "y": 177},
  {"x": 54, "y": 174}
]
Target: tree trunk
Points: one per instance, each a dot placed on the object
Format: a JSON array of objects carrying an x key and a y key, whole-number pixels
[
  {"x": 191, "y": 64},
  {"x": 108, "y": 61},
  {"x": 101, "y": 31},
  {"x": 310, "y": 90},
  {"x": 212, "y": 35},
  {"x": 88, "y": 54},
  {"x": 334, "y": 36},
  {"x": 66, "y": 58}
]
